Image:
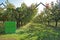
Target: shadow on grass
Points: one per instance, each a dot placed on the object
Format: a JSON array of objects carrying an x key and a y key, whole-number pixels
[
  {"x": 2, "y": 33},
  {"x": 56, "y": 28}
]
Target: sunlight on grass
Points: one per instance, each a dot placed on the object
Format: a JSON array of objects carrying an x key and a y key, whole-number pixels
[{"x": 34, "y": 32}]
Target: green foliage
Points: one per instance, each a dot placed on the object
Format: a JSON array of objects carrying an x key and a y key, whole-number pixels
[
  {"x": 55, "y": 13},
  {"x": 1, "y": 28},
  {"x": 35, "y": 32},
  {"x": 39, "y": 32},
  {"x": 25, "y": 13},
  {"x": 22, "y": 15},
  {"x": 48, "y": 15}
]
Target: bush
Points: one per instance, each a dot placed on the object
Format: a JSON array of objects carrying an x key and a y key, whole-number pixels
[{"x": 1, "y": 28}]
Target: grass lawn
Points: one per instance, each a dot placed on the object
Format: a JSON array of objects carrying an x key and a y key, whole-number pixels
[{"x": 34, "y": 32}]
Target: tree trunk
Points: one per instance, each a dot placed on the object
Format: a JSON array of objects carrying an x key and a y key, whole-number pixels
[
  {"x": 18, "y": 24},
  {"x": 48, "y": 22},
  {"x": 56, "y": 23}
]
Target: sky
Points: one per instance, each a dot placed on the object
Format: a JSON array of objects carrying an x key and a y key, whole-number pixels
[{"x": 18, "y": 3}]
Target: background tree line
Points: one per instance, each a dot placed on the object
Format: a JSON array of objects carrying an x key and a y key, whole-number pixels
[
  {"x": 22, "y": 15},
  {"x": 49, "y": 14}
]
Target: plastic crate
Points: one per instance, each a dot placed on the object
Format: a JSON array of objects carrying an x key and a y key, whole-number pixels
[{"x": 10, "y": 27}]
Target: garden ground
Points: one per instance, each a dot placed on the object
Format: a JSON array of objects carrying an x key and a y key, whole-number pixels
[{"x": 34, "y": 31}]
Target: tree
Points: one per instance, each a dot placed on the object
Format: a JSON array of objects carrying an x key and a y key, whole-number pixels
[
  {"x": 22, "y": 15},
  {"x": 55, "y": 14},
  {"x": 1, "y": 13},
  {"x": 47, "y": 14},
  {"x": 9, "y": 12},
  {"x": 25, "y": 13}
]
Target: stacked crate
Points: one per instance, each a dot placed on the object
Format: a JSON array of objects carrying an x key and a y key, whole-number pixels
[{"x": 10, "y": 27}]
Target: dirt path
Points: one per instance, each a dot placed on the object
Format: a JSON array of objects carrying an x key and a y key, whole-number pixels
[{"x": 7, "y": 38}]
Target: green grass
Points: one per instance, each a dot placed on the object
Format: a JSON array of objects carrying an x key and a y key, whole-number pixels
[{"x": 34, "y": 32}]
